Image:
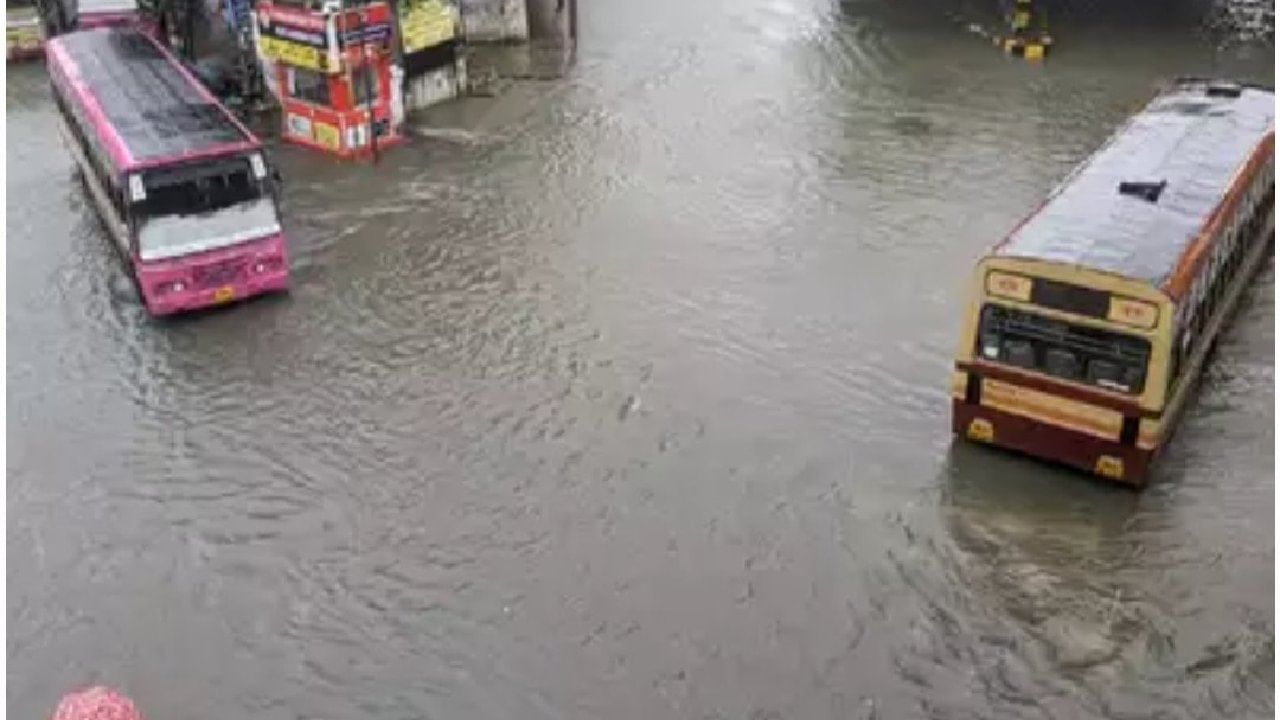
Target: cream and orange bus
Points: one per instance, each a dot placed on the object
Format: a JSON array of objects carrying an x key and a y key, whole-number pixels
[{"x": 1090, "y": 323}]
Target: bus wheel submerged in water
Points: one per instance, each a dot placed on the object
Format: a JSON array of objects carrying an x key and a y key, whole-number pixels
[{"x": 1089, "y": 325}]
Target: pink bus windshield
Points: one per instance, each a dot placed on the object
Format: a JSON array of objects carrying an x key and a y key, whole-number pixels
[{"x": 189, "y": 209}]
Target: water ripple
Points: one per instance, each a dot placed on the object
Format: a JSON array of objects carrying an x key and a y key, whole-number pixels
[{"x": 626, "y": 395}]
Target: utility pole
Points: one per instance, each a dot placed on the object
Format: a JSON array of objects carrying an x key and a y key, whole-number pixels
[
  {"x": 367, "y": 75},
  {"x": 573, "y": 24},
  {"x": 189, "y": 30}
]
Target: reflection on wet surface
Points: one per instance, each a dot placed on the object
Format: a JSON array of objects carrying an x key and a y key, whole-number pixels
[{"x": 631, "y": 405}]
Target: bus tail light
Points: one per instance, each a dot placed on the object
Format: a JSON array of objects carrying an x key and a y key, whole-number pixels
[
  {"x": 1110, "y": 467},
  {"x": 981, "y": 430}
]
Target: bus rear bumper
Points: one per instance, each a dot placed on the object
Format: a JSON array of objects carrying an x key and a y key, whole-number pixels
[{"x": 1093, "y": 455}]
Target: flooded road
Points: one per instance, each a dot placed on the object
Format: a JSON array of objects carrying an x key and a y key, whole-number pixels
[{"x": 631, "y": 405}]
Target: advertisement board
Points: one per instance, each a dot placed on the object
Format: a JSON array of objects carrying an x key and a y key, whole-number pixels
[{"x": 426, "y": 23}]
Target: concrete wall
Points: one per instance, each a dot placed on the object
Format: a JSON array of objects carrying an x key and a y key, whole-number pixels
[
  {"x": 1126, "y": 10},
  {"x": 1061, "y": 12},
  {"x": 434, "y": 87},
  {"x": 548, "y": 20},
  {"x": 495, "y": 20}
]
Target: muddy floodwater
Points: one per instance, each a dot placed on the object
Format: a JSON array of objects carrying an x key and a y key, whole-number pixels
[{"x": 625, "y": 397}]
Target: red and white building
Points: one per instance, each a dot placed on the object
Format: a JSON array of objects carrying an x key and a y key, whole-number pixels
[{"x": 333, "y": 71}]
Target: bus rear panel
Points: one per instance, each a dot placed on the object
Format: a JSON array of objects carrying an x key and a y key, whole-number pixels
[
  {"x": 1071, "y": 371},
  {"x": 1089, "y": 323}
]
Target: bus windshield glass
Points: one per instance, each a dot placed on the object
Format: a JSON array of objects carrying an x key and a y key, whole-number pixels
[
  {"x": 196, "y": 208},
  {"x": 106, "y": 6},
  {"x": 1110, "y": 360}
]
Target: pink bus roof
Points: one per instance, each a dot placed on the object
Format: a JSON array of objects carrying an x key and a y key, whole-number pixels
[{"x": 146, "y": 107}]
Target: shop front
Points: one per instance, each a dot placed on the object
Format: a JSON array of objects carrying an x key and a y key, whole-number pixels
[
  {"x": 433, "y": 60},
  {"x": 333, "y": 70}
]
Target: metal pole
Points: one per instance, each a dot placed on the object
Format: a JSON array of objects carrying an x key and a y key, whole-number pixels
[
  {"x": 368, "y": 87},
  {"x": 189, "y": 31},
  {"x": 461, "y": 49}
]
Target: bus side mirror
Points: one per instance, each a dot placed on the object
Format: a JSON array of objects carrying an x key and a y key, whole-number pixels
[{"x": 277, "y": 182}]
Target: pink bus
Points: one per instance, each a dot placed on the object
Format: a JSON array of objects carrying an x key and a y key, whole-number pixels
[{"x": 182, "y": 187}]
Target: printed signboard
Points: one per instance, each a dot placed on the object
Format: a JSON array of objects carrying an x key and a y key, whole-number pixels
[
  {"x": 425, "y": 23},
  {"x": 291, "y": 53},
  {"x": 328, "y": 136},
  {"x": 291, "y": 37},
  {"x": 375, "y": 33}
]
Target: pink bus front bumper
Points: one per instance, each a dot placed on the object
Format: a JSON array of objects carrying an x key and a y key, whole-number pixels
[
  {"x": 214, "y": 278},
  {"x": 179, "y": 302}
]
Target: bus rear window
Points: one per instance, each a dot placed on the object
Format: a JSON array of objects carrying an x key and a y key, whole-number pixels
[{"x": 1109, "y": 360}]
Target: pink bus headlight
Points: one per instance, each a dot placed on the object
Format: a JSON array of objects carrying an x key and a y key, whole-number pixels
[
  {"x": 171, "y": 286},
  {"x": 268, "y": 264}
]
